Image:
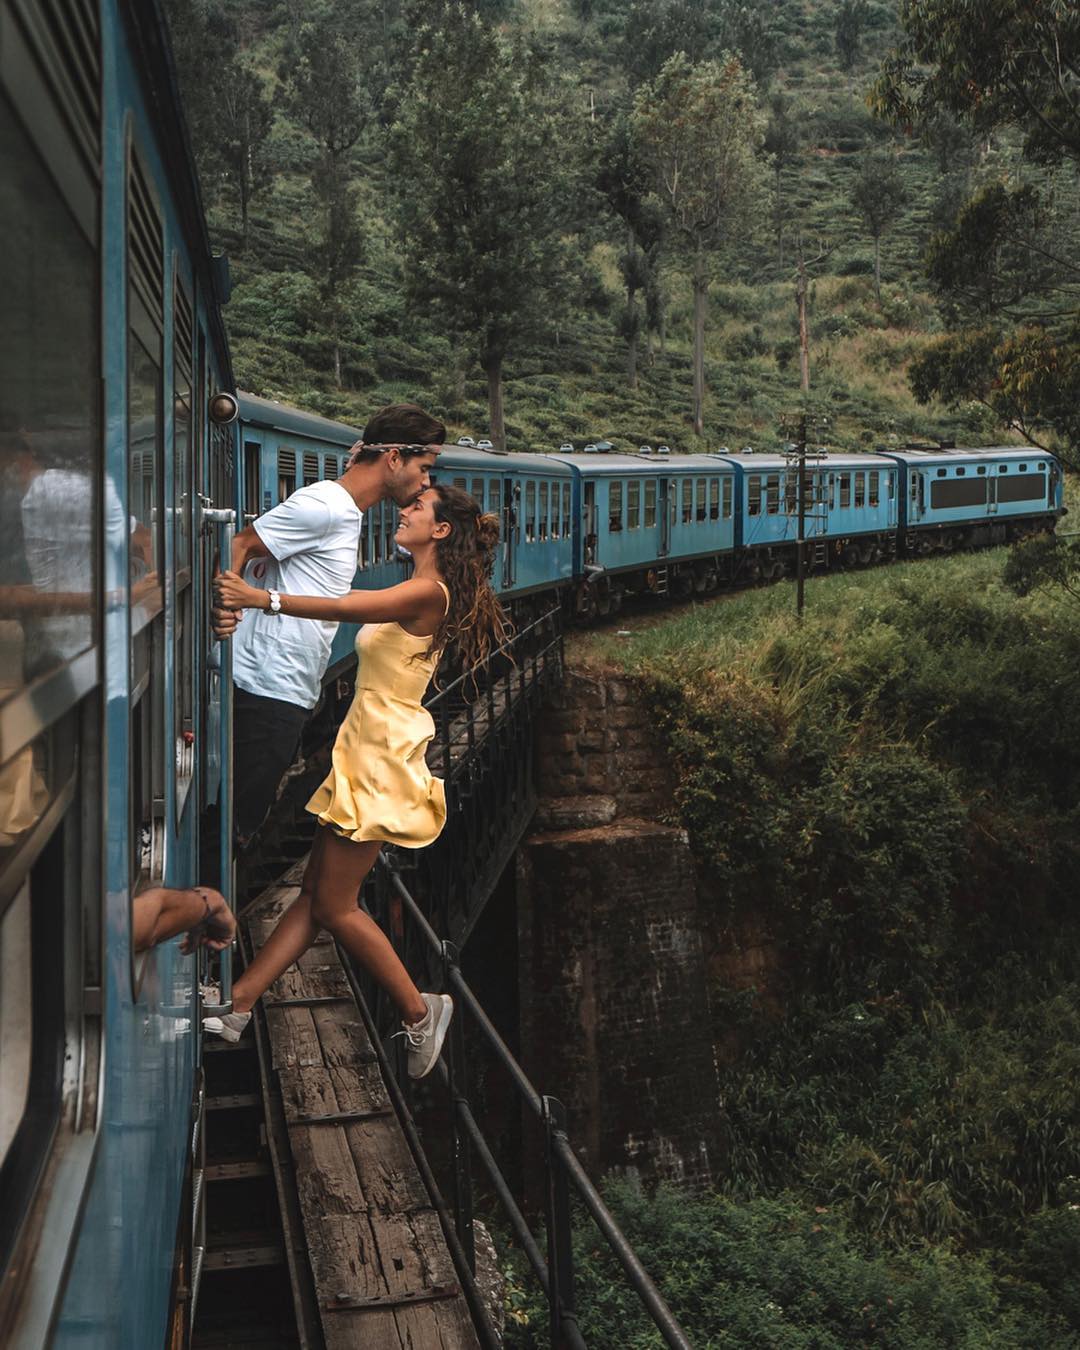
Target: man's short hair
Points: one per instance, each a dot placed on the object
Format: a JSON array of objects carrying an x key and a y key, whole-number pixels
[{"x": 398, "y": 424}]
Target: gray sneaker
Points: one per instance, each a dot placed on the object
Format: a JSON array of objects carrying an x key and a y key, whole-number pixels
[
  {"x": 230, "y": 1026},
  {"x": 426, "y": 1036}
]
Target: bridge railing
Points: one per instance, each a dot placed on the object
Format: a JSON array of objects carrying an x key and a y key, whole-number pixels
[
  {"x": 396, "y": 909},
  {"x": 483, "y": 751}
]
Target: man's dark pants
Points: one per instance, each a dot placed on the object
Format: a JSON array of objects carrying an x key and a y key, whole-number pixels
[{"x": 266, "y": 737}]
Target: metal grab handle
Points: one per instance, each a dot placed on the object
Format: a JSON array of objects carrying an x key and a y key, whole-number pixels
[{"x": 225, "y": 520}]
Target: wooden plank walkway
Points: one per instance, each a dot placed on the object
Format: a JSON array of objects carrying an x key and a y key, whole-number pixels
[{"x": 383, "y": 1275}]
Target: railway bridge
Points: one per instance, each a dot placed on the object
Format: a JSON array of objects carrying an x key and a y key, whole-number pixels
[{"x": 367, "y": 1199}]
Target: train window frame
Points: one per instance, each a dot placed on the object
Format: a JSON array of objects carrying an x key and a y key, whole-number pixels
[
  {"x": 873, "y": 488},
  {"x": 286, "y": 474},
  {"x": 714, "y": 498},
  {"x": 566, "y": 509},
  {"x": 772, "y": 494},
  {"x": 727, "y": 495},
  {"x": 478, "y": 492},
  {"x": 649, "y": 505},
  {"x": 686, "y": 501},
  {"x": 858, "y": 496},
  {"x": 981, "y": 468},
  {"x": 542, "y": 512},
  {"x": 615, "y": 505},
  {"x": 530, "y": 510},
  {"x": 183, "y": 586},
  {"x": 754, "y": 497},
  {"x": 1003, "y": 468},
  {"x": 633, "y": 504},
  {"x": 701, "y": 504},
  {"x": 942, "y": 473},
  {"x": 961, "y": 471},
  {"x": 845, "y": 491},
  {"x": 376, "y": 533}
]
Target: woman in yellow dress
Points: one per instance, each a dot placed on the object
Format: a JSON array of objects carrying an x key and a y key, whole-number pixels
[{"x": 379, "y": 789}]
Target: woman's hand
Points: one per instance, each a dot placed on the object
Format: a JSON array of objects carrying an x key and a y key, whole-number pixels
[{"x": 232, "y": 592}]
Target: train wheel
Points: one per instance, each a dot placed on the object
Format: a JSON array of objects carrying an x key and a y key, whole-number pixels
[
  {"x": 618, "y": 595},
  {"x": 683, "y": 585},
  {"x": 602, "y": 594}
]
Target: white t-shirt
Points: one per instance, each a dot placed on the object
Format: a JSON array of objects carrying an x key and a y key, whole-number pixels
[{"x": 313, "y": 539}]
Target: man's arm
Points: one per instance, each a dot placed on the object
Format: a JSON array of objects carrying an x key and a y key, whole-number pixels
[
  {"x": 162, "y": 913},
  {"x": 245, "y": 546}
]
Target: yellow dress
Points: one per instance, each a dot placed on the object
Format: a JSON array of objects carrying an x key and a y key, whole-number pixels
[{"x": 379, "y": 786}]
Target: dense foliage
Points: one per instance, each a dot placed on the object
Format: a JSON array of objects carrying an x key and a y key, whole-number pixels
[
  {"x": 888, "y": 795},
  {"x": 393, "y": 196}
]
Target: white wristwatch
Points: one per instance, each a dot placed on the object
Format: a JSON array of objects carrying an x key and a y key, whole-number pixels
[{"x": 275, "y": 602}]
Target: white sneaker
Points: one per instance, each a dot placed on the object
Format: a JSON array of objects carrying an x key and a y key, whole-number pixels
[
  {"x": 426, "y": 1036},
  {"x": 230, "y": 1026}
]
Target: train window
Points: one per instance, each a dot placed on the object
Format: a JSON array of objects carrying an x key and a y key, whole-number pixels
[
  {"x": 147, "y": 761},
  {"x": 1027, "y": 488},
  {"x": 961, "y": 472},
  {"x": 772, "y": 494},
  {"x": 390, "y": 524},
  {"x": 363, "y": 550},
  {"x": 311, "y": 468},
  {"x": 566, "y": 510},
  {"x": 650, "y": 503},
  {"x": 955, "y": 492},
  {"x": 860, "y": 489},
  {"x": 494, "y": 501},
  {"x": 789, "y": 503},
  {"x": 687, "y": 500},
  {"x": 542, "y": 532},
  {"x": 1022, "y": 468},
  {"x": 1003, "y": 468},
  {"x": 700, "y": 505},
  {"x": 183, "y": 362},
  {"x": 714, "y": 498},
  {"x": 913, "y": 491},
  {"x": 981, "y": 468},
  {"x": 633, "y": 504},
  {"x": 890, "y": 479},
  {"x": 615, "y": 505},
  {"x": 286, "y": 473},
  {"x": 845, "y": 489},
  {"x": 753, "y": 495},
  {"x": 727, "y": 499},
  {"x": 478, "y": 492},
  {"x": 330, "y": 466},
  {"x": 530, "y": 511},
  {"x": 942, "y": 473},
  {"x": 462, "y": 484},
  {"x": 874, "y": 487}
]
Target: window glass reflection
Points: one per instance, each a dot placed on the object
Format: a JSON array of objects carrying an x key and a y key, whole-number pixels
[
  {"x": 48, "y": 420},
  {"x": 144, "y": 476}
]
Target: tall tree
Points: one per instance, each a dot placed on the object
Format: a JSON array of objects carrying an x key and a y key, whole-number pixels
[
  {"x": 783, "y": 142},
  {"x": 701, "y": 131},
  {"x": 850, "y": 21},
  {"x": 245, "y": 117},
  {"x": 484, "y": 189},
  {"x": 326, "y": 90},
  {"x": 878, "y": 196},
  {"x": 624, "y": 180}
]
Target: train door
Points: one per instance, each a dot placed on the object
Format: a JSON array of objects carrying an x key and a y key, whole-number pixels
[
  {"x": 511, "y": 493},
  {"x": 991, "y": 496},
  {"x": 916, "y": 496},
  {"x": 667, "y": 514},
  {"x": 588, "y": 524}
]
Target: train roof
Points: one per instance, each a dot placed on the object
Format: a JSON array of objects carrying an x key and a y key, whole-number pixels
[
  {"x": 609, "y": 465},
  {"x": 774, "y": 462},
  {"x": 933, "y": 455},
  {"x": 266, "y": 412},
  {"x": 488, "y": 461}
]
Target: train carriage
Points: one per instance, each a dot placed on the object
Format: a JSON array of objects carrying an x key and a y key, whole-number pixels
[
  {"x": 968, "y": 498},
  {"x": 112, "y": 724}
]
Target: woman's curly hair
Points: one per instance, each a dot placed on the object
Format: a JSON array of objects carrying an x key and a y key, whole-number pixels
[{"x": 474, "y": 622}]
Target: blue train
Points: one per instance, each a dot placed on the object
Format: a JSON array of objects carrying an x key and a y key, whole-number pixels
[
  {"x": 595, "y": 528},
  {"x": 115, "y": 443}
]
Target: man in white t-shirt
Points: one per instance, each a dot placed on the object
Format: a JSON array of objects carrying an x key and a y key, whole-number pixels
[{"x": 307, "y": 545}]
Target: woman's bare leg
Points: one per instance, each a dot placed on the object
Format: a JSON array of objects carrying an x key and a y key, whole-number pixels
[
  {"x": 340, "y": 872},
  {"x": 294, "y": 934}
]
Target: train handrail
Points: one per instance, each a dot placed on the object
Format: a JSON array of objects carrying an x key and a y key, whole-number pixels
[
  {"x": 562, "y": 1166},
  {"x": 225, "y": 519}
]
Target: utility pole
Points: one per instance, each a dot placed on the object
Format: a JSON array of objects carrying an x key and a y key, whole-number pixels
[{"x": 795, "y": 427}]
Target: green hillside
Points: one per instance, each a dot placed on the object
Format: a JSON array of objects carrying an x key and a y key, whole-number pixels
[{"x": 568, "y": 380}]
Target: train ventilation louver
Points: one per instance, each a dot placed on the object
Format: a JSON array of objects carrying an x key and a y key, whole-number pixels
[
  {"x": 286, "y": 463},
  {"x": 311, "y": 469},
  {"x": 145, "y": 245},
  {"x": 183, "y": 340},
  {"x": 67, "y": 37}
]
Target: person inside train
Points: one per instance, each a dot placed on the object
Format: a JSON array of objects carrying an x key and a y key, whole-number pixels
[
  {"x": 162, "y": 912},
  {"x": 307, "y": 544},
  {"x": 379, "y": 789}
]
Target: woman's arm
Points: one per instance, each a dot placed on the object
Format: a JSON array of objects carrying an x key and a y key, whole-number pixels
[{"x": 416, "y": 599}]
